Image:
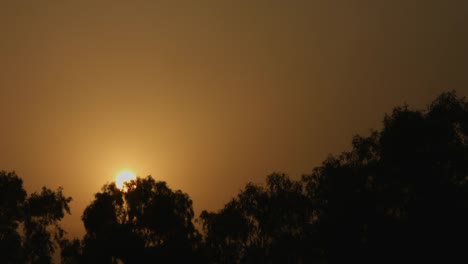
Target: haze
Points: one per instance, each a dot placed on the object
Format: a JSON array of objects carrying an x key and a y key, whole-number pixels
[{"x": 209, "y": 95}]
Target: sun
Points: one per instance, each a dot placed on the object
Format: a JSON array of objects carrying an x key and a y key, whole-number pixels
[{"x": 122, "y": 177}]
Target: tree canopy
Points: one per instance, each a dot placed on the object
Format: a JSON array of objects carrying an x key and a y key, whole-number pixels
[
  {"x": 399, "y": 195},
  {"x": 29, "y": 226},
  {"x": 401, "y": 192},
  {"x": 146, "y": 221},
  {"x": 262, "y": 225}
]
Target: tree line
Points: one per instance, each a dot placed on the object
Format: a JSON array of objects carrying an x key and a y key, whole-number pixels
[{"x": 399, "y": 195}]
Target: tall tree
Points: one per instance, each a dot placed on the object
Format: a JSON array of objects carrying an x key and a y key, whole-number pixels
[
  {"x": 12, "y": 199},
  {"x": 401, "y": 193},
  {"x": 268, "y": 224},
  {"x": 39, "y": 216},
  {"x": 148, "y": 221}
]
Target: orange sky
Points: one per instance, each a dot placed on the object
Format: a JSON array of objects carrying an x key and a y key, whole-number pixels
[{"x": 208, "y": 95}]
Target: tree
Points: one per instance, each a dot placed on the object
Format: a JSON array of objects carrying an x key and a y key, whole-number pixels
[
  {"x": 147, "y": 221},
  {"x": 38, "y": 215},
  {"x": 11, "y": 215},
  {"x": 71, "y": 251},
  {"x": 271, "y": 224},
  {"x": 401, "y": 193},
  {"x": 226, "y": 232}
]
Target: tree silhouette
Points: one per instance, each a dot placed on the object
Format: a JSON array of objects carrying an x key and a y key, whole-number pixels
[
  {"x": 267, "y": 225},
  {"x": 71, "y": 251},
  {"x": 226, "y": 232},
  {"x": 401, "y": 193},
  {"x": 11, "y": 215},
  {"x": 38, "y": 215},
  {"x": 146, "y": 222}
]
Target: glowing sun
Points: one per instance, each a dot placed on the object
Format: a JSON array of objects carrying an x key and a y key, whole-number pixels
[{"x": 122, "y": 177}]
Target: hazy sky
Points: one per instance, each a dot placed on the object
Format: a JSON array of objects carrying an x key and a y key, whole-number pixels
[{"x": 208, "y": 95}]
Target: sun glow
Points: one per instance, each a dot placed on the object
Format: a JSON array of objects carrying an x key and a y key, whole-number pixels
[{"x": 122, "y": 177}]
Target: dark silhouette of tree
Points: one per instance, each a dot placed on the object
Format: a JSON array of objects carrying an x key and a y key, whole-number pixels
[
  {"x": 71, "y": 251},
  {"x": 38, "y": 215},
  {"x": 147, "y": 222},
  {"x": 227, "y": 232},
  {"x": 12, "y": 198},
  {"x": 266, "y": 225},
  {"x": 400, "y": 194}
]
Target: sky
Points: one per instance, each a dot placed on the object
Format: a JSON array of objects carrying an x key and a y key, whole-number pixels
[{"x": 210, "y": 95}]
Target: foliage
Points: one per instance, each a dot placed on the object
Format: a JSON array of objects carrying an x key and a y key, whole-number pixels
[
  {"x": 147, "y": 221},
  {"x": 38, "y": 215},
  {"x": 269, "y": 224},
  {"x": 71, "y": 251},
  {"x": 400, "y": 195}
]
